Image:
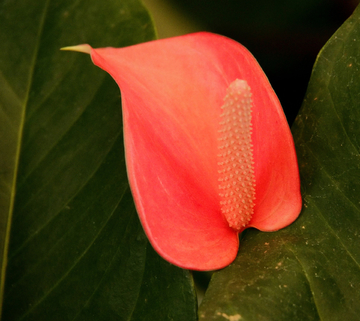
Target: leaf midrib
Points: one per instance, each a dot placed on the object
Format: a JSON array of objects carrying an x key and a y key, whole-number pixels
[{"x": 17, "y": 153}]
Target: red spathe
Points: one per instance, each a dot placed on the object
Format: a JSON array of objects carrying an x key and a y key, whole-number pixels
[{"x": 172, "y": 93}]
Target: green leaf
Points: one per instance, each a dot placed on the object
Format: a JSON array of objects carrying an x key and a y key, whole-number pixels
[
  {"x": 310, "y": 270},
  {"x": 72, "y": 246}
]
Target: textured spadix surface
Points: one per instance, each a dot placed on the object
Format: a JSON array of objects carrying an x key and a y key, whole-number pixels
[
  {"x": 172, "y": 94},
  {"x": 236, "y": 166}
]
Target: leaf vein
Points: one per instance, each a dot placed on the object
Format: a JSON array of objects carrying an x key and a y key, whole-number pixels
[{"x": 74, "y": 264}]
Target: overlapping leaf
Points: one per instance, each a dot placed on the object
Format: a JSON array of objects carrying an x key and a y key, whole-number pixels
[
  {"x": 310, "y": 270},
  {"x": 76, "y": 248}
]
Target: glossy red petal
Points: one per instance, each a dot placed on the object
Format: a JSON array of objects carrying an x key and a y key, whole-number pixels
[{"x": 172, "y": 91}]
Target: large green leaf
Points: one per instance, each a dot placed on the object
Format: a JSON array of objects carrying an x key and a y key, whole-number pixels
[
  {"x": 71, "y": 243},
  {"x": 310, "y": 270}
]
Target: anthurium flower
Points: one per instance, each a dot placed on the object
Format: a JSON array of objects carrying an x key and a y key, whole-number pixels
[{"x": 208, "y": 148}]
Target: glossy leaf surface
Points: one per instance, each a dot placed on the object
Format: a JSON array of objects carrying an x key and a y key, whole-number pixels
[
  {"x": 310, "y": 270},
  {"x": 77, "y": 250}
]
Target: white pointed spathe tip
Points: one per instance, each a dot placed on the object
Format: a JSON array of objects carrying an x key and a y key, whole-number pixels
[{"x": 79, "y": 48}]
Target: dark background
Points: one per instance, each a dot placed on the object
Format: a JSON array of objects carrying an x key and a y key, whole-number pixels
[{"x": 284, "y": 36}]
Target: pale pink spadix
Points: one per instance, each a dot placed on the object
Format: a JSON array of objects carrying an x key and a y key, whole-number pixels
[
  {"x": 236, "y": 170},
  {"x": 207, "y": 145}
]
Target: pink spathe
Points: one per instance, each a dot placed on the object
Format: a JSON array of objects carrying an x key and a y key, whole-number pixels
[{"x": 172, "y": 92}]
